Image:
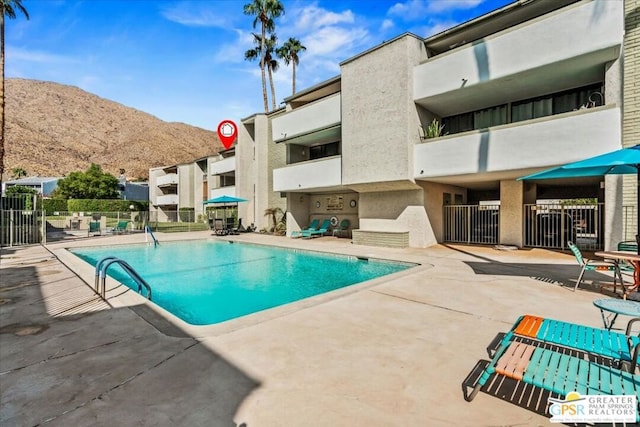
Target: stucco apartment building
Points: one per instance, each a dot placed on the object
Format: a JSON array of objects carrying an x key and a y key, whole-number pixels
[{"x": 529, "y": 86}]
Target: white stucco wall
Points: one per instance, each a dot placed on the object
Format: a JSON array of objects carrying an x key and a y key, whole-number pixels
[{"x": 379, "y": 118}]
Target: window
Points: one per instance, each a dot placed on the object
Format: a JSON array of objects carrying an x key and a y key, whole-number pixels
[
  {"x": 326, "y": 150},
  {"x": 532, "y": 108}
]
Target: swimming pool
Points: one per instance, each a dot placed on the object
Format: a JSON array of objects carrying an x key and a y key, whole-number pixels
[{"x": 207, "y": 282}]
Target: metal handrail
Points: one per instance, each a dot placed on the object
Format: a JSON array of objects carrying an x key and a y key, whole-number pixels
[
  {"x": 148, "y": 230},
  {"x": 101, "y": 275}
]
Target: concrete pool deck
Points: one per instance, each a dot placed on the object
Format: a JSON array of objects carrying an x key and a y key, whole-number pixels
[{"x": 392, "y": 352}]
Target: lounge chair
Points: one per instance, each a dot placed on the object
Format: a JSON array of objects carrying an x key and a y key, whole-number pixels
[
  {"x": 318, "y": 232},
  {"x": 313, "y": 226},
  {"x": 601, "y": 342},
  {"x": 121, "y": 227},
  {"x": 94, "y": 228},
  {"x": 593, "y": 265},
  {"x": 343, "y": 229},
  {"x": 555, "y": 371}
]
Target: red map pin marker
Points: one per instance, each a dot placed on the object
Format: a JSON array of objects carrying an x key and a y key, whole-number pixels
[{"x": 227, "y": 132}]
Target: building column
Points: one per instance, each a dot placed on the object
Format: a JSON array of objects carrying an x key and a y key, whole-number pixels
[{"x": 512, "y": 195}]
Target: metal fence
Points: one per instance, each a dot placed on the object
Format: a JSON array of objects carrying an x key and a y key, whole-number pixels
[
  {"x": 21, "y": 227},
  {"x": 554, "y": 225},
  {"x": 472, "y": 224},
  {"x": 544, "y": 225}
]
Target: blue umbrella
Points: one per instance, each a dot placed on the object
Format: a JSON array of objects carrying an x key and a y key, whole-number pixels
[
  {"x": 225, "y": 199},
  {"x": 619, "y": 162}
]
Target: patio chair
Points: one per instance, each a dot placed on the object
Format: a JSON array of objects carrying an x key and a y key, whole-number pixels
[
  {"x": 94, "y": 228},
  {"x": 343, "y": 229},
  {"x": 219, "y": 228},
  {"x": 616, "y": 346},
  {"x": 324, "y": 227},
  {"x": 628, "y": 246},
  {"x": 595, "y": 265},
  {"x": 121, "y": 227},
  {"x": 555, "y": 371},
  {"x": 313, "y": 226}
]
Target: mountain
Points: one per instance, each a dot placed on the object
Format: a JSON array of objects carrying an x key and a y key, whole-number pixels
[{"x": 53, "y": 129}]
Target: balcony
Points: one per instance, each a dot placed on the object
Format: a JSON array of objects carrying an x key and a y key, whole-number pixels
[
  {"x": 569, "y": 47},
  {"x": 544, "y": 142},
  {"x": 325, "y": 173},
  {"x": 315, "y": 122},
  {"x": 223, "y": 166},
  {"x": 167, "y": 180},
  {"x": 167, "y": 199},
  {"x": 223, "y": 191}
]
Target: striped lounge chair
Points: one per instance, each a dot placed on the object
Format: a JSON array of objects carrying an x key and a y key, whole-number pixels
[{"x": 556, "y": 372}]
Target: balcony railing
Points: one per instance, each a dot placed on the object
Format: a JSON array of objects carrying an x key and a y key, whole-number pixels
[
  {"x": 319, "y": 116},
  {"x": 538, "y": 143},
  {"x": 223, "y": 191},
  {"x": 166, "y": 180},
  {"x": 573, "y": 43},
  {"x": 314, "y": 174},
  {"x": 167, "y": 199},
  {"x": 223, "y": 166}
]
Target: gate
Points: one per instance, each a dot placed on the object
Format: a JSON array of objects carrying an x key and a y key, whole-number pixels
[
  {"x": 553, "y": 225},
  {"x": 472, "y": 224}
]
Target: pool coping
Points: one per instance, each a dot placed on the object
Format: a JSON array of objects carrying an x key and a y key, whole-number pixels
[{"x": 119, "y": 295}]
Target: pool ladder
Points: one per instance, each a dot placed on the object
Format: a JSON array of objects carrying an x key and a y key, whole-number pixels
[
  {"x": 147, "y": 230},
  {"x": 101, "y": 276}
]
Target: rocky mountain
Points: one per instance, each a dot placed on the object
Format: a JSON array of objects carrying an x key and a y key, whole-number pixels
[{"x": 53, "y": 129}]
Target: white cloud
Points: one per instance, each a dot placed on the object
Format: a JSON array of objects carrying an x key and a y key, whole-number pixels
[
  {"x": 335, "y": 40},
  {"x": 17, "y": 54},
  {"x": 195, "y": 15},
  {"x": 441, "y": 5},
  {"x": 386, "y": 24},
  {"x": 312, "y": 17},
  {"x": 233, "y": 52}
]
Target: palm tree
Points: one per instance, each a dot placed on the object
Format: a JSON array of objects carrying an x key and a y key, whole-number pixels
[
  {"x": 289, "y": 54},
  {"x": 264, "y": 11},
  {"x": 8, "y": 8},
  {"x": 273, "y": 213},
  {"x": 271, "y": 63}
]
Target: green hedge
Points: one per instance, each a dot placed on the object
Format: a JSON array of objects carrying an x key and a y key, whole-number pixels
[
  {"x": 104, "y": 205},
  {"x": 54, "y": 205},
  {"x": 186, "y": 214}
]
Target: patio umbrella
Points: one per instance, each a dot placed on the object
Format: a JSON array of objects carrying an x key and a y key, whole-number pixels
[
  {"x": 225, "y": 201},
  {"x": 619, "y": 162}
]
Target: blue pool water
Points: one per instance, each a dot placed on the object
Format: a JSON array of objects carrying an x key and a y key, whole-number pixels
[{"x": 207, "y": 282}]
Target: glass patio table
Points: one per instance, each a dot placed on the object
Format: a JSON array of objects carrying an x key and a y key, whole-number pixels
[{"x": 616, "y": 307}]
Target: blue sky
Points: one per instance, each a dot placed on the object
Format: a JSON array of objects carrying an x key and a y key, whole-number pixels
[{"x": 183, "y": 61}]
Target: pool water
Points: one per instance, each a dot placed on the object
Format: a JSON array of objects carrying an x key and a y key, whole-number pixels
[{"x": 207, "y": 282}]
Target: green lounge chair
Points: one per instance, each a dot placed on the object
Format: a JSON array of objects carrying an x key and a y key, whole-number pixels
[
  {"x": 613, "y": 345},
  {"x": 313, "y": 226},
  {"x": 343, "y": 229},
  {"x": 121, "y": 227},
  {"x": 555, "y": 371},
  {"x": 94, "y": 228},
  {"x": 318, "y": 232}
]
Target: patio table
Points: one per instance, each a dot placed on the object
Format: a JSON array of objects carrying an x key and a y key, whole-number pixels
[
  {"x": 616, "y": 307},
  {"x": 630, "y": 257}
]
